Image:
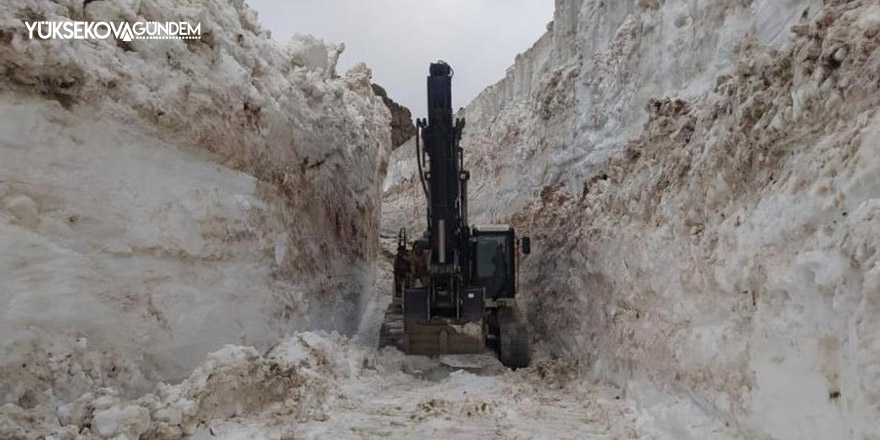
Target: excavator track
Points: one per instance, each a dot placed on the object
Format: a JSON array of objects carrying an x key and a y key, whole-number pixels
[
  {"x": 513, "y": 339},
  {"x": 391, "y": 332}
]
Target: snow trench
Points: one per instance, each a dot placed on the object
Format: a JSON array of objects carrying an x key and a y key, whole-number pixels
[{"x": 699, "y": 178}]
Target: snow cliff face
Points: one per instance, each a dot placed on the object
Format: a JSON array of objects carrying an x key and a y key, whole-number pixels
[
  {"x": 160, "y": 198},
  {"x": 700, "y": 179}
]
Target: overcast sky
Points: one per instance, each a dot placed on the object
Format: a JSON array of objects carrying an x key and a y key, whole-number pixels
[{"x": 399, "y": 38}]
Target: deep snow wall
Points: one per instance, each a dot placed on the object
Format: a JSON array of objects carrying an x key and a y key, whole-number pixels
[
  {"x": 160, "y": 198},
  {"x": 701, "y": 182}
]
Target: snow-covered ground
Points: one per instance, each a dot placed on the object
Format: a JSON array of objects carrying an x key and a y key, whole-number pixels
[{"x": 319, "y": 385}]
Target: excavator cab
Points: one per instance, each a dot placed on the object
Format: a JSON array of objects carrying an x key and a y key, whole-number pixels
[{"x": 495, "y": 260}]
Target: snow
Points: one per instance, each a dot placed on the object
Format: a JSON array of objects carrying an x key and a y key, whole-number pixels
[
  {"x": 189, "y": 231},
  {"x": 319, "y": 385},
  {"x": 162, "y": 198}
]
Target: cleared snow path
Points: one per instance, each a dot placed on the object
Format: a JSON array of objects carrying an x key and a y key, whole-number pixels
[
  {"x": 431, "y": 399},
  {"x": 402, "y": 397},
  {"x": 528, "y": 404}
]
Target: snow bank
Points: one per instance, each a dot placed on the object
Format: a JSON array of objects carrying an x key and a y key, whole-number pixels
[
  {"x": 161, "y": 198},
  {"x": 700, "y": 180},
  {"x": 291, "y": 382}
]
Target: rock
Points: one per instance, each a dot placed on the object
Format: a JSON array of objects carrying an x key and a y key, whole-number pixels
[{"x": 402, "y": 127}]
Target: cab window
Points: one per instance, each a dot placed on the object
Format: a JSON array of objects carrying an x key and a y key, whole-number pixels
[{"x": 493, "y": 263}]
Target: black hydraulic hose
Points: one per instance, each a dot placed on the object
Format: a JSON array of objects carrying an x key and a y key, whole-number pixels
[{"x": 419, "y": 161}]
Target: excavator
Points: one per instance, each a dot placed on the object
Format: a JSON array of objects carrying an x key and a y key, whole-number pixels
[{"x": 454, "y": 286}]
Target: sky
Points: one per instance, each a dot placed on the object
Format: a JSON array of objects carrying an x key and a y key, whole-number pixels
[{"x": 398, "y": 39}]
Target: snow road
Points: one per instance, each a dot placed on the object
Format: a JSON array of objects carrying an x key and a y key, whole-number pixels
[{"x": 537, "y": 403}]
